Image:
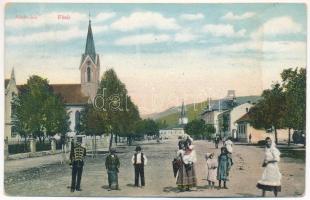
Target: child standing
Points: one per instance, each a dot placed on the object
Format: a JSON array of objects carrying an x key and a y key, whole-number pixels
[
  {"x": 212, "y": 169},
  {"x": 224, "y": 165}
]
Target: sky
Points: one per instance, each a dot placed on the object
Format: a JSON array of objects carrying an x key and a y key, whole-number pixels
[{"x": 164, "y": 53}]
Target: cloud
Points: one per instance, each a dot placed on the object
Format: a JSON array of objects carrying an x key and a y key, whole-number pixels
[
  {"x": 139, "y": 20},
  {"x": 49, "y": 36},
  {"x": 99, "y": 29},
  {"x": 232, "y": 16},
  {"x": 283, "y": 49},
  {"x": 223, "y": 30},
  {"x": 185, "y": 36},
  {"x": 142, "y": 39},
  {"x": 192, "y": 17},
  {"x": 277, "y": 26},
  {"x": 103, "y": 16}
]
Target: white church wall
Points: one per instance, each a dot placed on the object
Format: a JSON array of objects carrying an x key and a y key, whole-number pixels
[{"x": 72, "y": 110}]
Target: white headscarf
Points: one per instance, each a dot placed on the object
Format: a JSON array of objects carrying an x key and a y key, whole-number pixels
[{"x": 274, "y": 150}]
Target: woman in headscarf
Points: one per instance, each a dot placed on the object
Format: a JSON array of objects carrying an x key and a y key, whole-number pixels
[
  {"x": 271, "y": 178},
  {"x": 112, "y": 165},
  {"x": 186, "y": 177}
]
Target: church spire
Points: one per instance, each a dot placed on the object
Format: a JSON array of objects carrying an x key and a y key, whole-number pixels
[
  {"x": 90, "y": 45},
  {"x": 12, "y": 74},
  {"x": 183, "y": 110}
]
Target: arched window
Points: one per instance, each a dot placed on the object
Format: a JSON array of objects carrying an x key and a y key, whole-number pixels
[
  {"x": 77, "y": 119},
  {"x": 88, "y": 74}
]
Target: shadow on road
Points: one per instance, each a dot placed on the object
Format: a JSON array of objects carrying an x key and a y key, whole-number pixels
[
  {"x": 130, "y": 185},
  {"x": 171, "y": 189},
  {"x": 247, "y": 195}
]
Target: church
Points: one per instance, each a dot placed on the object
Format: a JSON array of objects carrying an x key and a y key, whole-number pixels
[{"x": 75, "y": 96}]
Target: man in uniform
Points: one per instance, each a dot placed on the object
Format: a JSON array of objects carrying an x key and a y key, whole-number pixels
[{"x": 77, "y": 155}]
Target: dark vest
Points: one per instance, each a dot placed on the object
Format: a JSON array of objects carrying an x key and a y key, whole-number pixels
[{"x": 142, "y": 158}]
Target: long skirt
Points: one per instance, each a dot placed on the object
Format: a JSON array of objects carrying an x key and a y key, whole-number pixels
[
  {"x": 113, "y": 180},
  {"x": 186, "y": 178},
  {"x": 271, "y": 178}
]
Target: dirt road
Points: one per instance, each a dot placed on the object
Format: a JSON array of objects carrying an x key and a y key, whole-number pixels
[{"x": 54, "y": 179}]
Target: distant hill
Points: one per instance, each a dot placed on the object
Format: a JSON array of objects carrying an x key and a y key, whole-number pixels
[{"x": 193, "y": 111}]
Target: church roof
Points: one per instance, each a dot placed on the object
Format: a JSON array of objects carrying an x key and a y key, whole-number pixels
[
  {"x": 71, "y": 93},
  {"x": 90, "y": 45}
]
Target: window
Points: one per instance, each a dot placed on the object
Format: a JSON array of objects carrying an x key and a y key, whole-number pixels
[
  {"x": 13, "y": 109},
  {"x": 77, "y": 119},
  {"x": 88, "y": 74},
  {"x": 13, "y": 131}
]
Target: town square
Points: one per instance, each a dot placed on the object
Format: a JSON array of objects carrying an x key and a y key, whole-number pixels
[{"x": 155, "y": 100}]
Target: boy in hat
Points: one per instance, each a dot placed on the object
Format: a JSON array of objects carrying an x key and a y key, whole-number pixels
[{"x": 139, "y": 160}]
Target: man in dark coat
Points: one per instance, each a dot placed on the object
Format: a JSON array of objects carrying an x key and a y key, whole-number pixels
[{"x": 77, "y": 156}]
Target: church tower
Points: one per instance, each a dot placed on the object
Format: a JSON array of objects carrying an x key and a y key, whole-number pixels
[
  {"x": 183, "y": 120},
  {"x": 90, "y": 67}
]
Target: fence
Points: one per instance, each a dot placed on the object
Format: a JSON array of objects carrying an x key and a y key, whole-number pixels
[
  {"x": 43, "y": 146},
  {"x": 19, "y": 148}
]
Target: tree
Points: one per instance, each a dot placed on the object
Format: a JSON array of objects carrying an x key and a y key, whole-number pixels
[
  {"x": 210, "y": 130},
  {"x": 270, "y": 110},
  {"x": 38, "y": 112},
  {"x": 294, "y": 84},
  {"x": 198, "y": 128},
  {"x": 94, "y": 123},
  {"x": 56, "y": 119},
  {"x": 146, "y": 127},
  {"x": 121, "y": 112}
]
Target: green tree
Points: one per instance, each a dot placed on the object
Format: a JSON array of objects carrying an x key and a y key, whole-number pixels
[
  {"x": 198, "y": 129},
  {"x": 269, "y": 112},
  {"x": 38, "y": 112},
  {"x": 294, "y": 84},
  {"x": 210, "y": 130},
  {"x": 146, "y": 127},
  {"x": 121, "y": 112},
  {"x": 92, "y": 123}
]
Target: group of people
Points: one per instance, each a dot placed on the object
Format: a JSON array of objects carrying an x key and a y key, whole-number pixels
[
  {"x": 112, "y": 165},
  {"x": 219, "y": 167},
  {"x": 184, "y": 167}
]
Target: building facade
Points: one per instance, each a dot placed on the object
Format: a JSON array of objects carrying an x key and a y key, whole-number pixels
[
  {"x": 75, "y": 96},
  {"x": 10, "y": 91}
]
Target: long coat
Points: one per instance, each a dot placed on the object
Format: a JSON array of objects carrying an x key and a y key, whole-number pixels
[
  {"x": 112, "y": 165},
  {"x": 224, "y": 165}
]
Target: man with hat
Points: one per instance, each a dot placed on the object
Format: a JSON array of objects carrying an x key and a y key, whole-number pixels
[
  {"x": 77, "y": 155},
  {"x": 139, "y": 160}
]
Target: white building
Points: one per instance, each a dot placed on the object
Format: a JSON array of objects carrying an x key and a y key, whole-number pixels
[
  {"x": 215, "y": 108},
  {"x": 244, "y": 130},
  {"x": 231, "y": 116},
  {"x": 172, "y": 133},
  {"x": 10, "y": 91}
]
